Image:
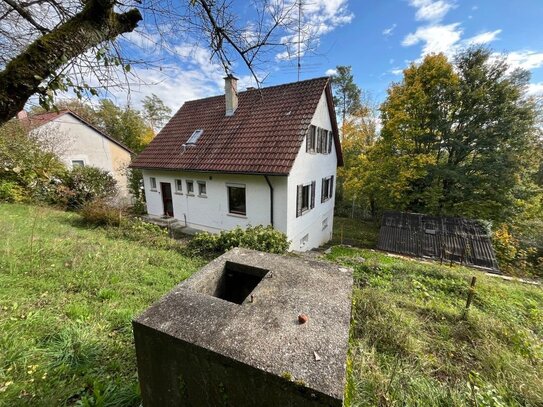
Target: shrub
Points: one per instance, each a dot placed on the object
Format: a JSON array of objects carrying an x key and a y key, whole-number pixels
[
  {"x": 143, "y": 232},
  {"x": 263, "y": 238},
  {"x": 88, "y": 183},
  {"x": 101, "y": 213},
  {"x": 11, "y": 192}
]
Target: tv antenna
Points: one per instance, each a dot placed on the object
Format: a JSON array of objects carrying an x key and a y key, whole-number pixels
[{"x": 299, "y": 38}]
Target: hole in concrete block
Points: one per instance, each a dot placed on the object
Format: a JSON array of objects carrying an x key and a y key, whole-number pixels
[{"x": 237, "y": 281}]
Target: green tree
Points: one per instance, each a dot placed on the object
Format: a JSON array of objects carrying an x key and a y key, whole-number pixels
[
  {"x": 124, "y": 124},
  {"x": 346, "y": 93},
  {"x": 457, "y": 139},
  {"x": 155, "y": 112}
]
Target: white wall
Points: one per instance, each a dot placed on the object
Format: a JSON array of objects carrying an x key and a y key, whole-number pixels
[
  {"x": 74, "y": 140},
  {"x": 210, "y": 213},
  {"x": 312, "y": 167}
]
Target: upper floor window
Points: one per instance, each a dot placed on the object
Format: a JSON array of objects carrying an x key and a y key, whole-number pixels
[
  {"x": 178, "y": 186},
  {"x": 319, "y": 140},
  {"x": 305, "y": 198},
  {"x": 327, "y": 188},
  {"x": 153, "y": 183}
]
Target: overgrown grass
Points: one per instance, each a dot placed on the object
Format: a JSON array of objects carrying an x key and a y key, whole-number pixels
[
  {"x": 355, "y": 232},
  {"x": 68, "y": 294},
  {"x": 412, "y": 345}
]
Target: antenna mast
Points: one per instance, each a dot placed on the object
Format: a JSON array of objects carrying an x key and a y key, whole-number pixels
[{"x": 299, "y": 37}]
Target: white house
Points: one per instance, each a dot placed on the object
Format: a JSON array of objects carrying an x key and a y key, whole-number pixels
[
  {"x": 78, "y": 143},
  {"x": 259, "y": 157}
]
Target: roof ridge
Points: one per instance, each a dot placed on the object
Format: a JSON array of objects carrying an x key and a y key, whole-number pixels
[{"x": 263, "y": 88}]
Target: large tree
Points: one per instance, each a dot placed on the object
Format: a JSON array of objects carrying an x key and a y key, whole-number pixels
[
  {"x": 346, "y": 93},
  {"x": 48, "y": 46},
  {"x": 458, "y": 139}
]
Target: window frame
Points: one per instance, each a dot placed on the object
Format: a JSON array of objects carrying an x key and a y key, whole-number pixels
[
  {"x": 190, "y": 186},
  {"x": 234, "y": 212},
  {"x": 300, "y": 208},
  {"x": 327, "y": 188},
  {"x": 178, "y": 186},
  {"x": 78, "y": 165},
  {"x": 200, "y": 184},
  {"x": 152, "y": 183},
  {"x": 311, "y": 139}
]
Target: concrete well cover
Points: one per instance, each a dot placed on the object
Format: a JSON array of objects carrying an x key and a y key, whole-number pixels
[{"x": 194, "y": 348}]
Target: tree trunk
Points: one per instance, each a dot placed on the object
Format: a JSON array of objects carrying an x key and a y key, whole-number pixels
[{"x": 22, "y": 76}]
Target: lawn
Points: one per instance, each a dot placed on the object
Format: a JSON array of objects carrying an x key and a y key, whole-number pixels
[
  {"x": 66, "y": 303},
  {"x": 69, "y": 293},
  {"x": 413, "y": 345}
]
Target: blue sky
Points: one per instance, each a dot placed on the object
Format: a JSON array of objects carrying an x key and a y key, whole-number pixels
[{"x": 377, "y": 38}]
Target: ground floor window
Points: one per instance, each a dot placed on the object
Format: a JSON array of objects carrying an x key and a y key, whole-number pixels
[
  {"x": 327, "y": 190},
  {"x": 202, "y": 188},
  {"x": 178, "y": 186},
  {"x": 305, "y": 198},
  {"x": 237, "y": 200},
  {"x": 190, "y": 187},
  {"x": 153, "y": 183}
]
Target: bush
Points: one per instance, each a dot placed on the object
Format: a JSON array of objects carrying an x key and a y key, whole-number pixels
[
  {"x": 101, "y": 213},
  {"x": 514, "y": 256},
  {"x": 11, "y": 192},
  {"x": 137, "y": 230},
  {"x": 86, "y": 184},
  {"x": 263, "y": 238}
]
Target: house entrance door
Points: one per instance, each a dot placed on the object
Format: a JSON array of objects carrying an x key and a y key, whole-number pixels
[{"x": 166, "y": 189}]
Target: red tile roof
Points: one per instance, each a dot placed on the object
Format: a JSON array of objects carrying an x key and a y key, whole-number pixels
[
  {"x": 37, "y": 120},
  {"x": 262, "y": 137}
]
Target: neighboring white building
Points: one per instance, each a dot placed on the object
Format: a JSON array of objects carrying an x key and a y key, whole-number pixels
[
  {"x": 259, "y": 157},
  {"x": 78, "y": 143}
]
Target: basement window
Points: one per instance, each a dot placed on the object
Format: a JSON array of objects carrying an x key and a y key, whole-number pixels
[
  {"x": 238, "y": 281},
  {"x": 195, "y": 136},
  {"x": 78, "y": 163}
]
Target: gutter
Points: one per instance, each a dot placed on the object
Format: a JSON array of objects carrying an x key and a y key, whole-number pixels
[{"x": 271, "y": 199}]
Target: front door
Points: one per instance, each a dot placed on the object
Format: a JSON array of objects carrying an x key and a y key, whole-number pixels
[{"x": 166, "y": 189}]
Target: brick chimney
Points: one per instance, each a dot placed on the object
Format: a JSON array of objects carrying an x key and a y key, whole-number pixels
[
  {"x": 22, "y": 115},
  {"x": 231, "y": 94}
]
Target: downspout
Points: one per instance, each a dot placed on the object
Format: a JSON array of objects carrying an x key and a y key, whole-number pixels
[{"x": 271, "y": 199}]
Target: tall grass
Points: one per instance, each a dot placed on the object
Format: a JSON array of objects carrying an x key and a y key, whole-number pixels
[
  {"x": 413, "y": 345},
  {"x": 68, "y": 294}
]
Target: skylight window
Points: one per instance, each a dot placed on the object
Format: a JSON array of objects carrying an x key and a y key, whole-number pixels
[{"x": 195, "y": 136}]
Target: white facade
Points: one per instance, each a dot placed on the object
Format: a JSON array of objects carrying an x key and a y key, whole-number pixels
[
  {"x": 211, "y": 212},
  {"x": 76, "y": 143}
]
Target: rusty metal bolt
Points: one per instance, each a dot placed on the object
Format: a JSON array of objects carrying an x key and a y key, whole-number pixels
[{"x": 302, "y": 319}]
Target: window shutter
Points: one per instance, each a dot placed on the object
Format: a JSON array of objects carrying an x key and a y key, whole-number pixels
[
  {"x": 323, "y": 182},
  {"x": 331, "y": 194},
  {"x": 313, "y": 184},
  {"x": 299, "y": 192},
  {"x": 330, "y": 137}
]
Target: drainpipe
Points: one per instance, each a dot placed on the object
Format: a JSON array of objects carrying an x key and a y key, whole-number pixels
[{"x": 271, "y": 199}]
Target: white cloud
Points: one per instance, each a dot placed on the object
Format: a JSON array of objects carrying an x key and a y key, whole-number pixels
[
  {"x": 428, "y": 10},
  {"x": 525, "y": 59},
  {"x": 319, "y": 17},
  {"x": 387, "y": 32},
  {"x": 396, "y": 71},
  {"x": 535, "y": 89},
  {"x": 483, "y": 38},
  {"x": 435, "y": 38},
  {"x": 331, "y": 72}
]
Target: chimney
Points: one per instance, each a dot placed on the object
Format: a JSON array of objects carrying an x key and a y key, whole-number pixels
[
  {"x": 231, "y": 94},
  {"x": 22, "y": 115}
]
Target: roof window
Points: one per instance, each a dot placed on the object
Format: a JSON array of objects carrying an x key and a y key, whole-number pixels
[{"x": 195, "y": 136}]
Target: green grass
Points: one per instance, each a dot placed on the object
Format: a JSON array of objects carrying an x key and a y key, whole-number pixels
[
  {"x": 355, "y": 232},
  {"x": 412, "y": 345},
  {"x": 68, "y": 294}
]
